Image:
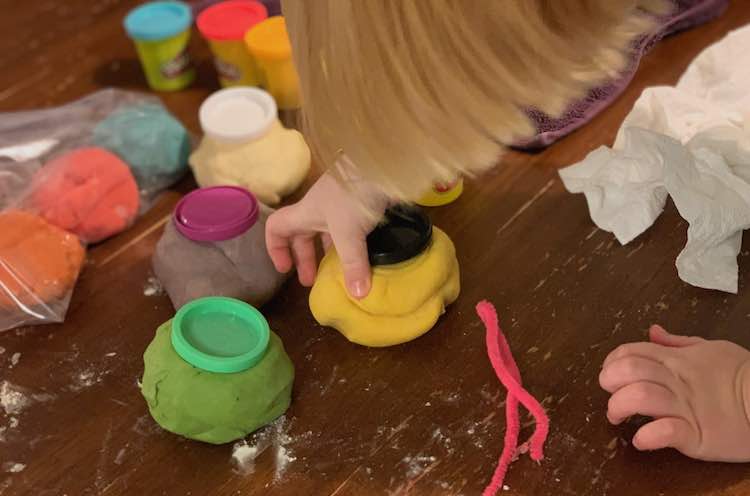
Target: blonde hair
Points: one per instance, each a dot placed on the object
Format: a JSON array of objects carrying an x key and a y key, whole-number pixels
[{"x": 418, "y": 91}]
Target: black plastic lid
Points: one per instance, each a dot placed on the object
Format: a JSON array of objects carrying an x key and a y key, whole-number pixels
[{"x": 405, "y": 232}]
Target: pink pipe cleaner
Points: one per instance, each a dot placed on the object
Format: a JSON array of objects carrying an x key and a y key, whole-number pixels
[{"x": 509, "y": 375}]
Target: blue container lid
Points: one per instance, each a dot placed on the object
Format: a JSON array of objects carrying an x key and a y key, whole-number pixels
[{"x": 158, "y": 20}]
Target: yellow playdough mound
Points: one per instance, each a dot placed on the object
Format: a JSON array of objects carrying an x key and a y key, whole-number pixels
[{"x": 405, "y": 301}]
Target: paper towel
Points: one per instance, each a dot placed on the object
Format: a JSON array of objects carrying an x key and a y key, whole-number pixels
[{"x": 691, "y": 142}]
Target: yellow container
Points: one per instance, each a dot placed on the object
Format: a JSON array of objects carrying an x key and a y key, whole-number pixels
[
  {"x": 161, "y": 32},
  {"x": 235, "y": 66},
  {"x": 268, "y": 42},
  {"x": 442, "y": 194},
  {"x": 223, "y": 26}
]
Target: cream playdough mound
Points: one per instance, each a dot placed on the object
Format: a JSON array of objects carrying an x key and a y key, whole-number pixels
[
  {"x": 405, "y": 301},
  {"x": 245, "y": 145},
  {"x": 271, "y": 167}
]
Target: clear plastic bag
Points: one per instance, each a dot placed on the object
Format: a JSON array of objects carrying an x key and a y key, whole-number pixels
[
  {"x": 39, "y": 265},
  {"x": 73, "y": 175},
  {"x": 89, "y": 192},
  {"x": 134, "y": 126}
]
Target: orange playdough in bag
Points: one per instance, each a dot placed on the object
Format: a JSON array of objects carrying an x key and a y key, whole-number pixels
[
  {"x": 39, "y": 263},
  {"x": 89, "y": 192}
]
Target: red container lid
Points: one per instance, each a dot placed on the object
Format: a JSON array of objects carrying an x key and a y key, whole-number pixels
[{"x": 230, "y": 20}]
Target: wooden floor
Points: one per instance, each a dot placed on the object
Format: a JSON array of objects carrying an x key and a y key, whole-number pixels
[{"x": 424, "y": 418}]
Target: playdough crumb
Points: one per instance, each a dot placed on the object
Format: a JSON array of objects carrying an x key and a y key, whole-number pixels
[
  {"x": 13, "y": 467},
  {"x": 12, "y": 400},
  {"x": 506, "y": 488},
  {"x": 14, "y": 359},
  {"x": 153, "y": 287}
]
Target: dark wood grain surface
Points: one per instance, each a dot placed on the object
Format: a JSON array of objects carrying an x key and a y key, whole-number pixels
[{"x": 422, "y": 418}]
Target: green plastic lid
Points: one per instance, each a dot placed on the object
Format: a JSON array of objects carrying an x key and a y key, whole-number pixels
[{"x": 220, "y": 334}]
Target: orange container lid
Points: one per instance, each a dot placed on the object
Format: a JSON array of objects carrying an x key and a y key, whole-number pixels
[{"x": 269, "y": 39}]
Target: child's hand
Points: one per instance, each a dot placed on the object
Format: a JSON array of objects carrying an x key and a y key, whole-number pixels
[
  {"x": 330, "y": 210},
  {"x": 697, "y": 391}
]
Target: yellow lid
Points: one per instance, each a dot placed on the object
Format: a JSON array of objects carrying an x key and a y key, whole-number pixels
[
  {"x": 442, "y": 194},
  {"x": 269, "y": 39}
]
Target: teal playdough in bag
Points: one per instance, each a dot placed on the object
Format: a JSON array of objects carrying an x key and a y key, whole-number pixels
[
  {"x": 134, "y": 126},
  {"x": 216, "y": 372},
  {"x": 149, "y": 139}
]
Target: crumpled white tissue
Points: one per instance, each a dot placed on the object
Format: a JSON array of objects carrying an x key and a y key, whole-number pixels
[{"x": 691, "y": 142}]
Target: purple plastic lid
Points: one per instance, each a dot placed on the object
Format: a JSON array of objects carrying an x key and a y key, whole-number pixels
[{"x": 216, "y": 214}]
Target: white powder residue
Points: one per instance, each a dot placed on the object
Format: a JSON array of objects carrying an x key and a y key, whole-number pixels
[
  {"x": 86, "y": 378},
  {"x": 448, "y": 397},
  {"x": 280, "y": 441},
  {"x": 243, "y": 456},
  {"x": 12, "y": 399},
  {"x": 13, "y": 467},
  {"x": 13, "y": 423},
  {"x": 275, "y": 436},
  {"x": 506, "y": 488},
  {"x": 2, "y": 350},
  {"x": 441, "y": 438},
  {"x": 153, "y": 287},
  {"x": 110, "y": 355},
  {"x": 417, "y": 464},
  {"x": 15, "y": 359},
  {"x": 283, "y": 459},
  {"x": 145, "y": 426}
]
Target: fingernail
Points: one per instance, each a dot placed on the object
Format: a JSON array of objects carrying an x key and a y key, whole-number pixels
[{"x": 358, "y": 289}]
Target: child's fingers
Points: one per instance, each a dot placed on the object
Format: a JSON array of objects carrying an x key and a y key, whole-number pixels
[
  {"x": 642, "y": 398},
  {"x": 326, "y": 240},
  {"x": 281, "y": 227},
  {"x": 351, "y": 246},
  {"x": 278, "y": 250},
  {"x": 668, "y": 432},
  {"x": 651, "y": 351},
  {"x": 658, "y": 335},
  {"x": 632, "y": 369},
  {"x": 303, "y": 248}
]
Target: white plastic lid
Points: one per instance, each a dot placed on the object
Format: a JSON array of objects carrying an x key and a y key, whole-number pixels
[{"x": 237, "y": 114}]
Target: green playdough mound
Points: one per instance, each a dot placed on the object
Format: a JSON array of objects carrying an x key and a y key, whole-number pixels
[{"x": 212, "y": 407}]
